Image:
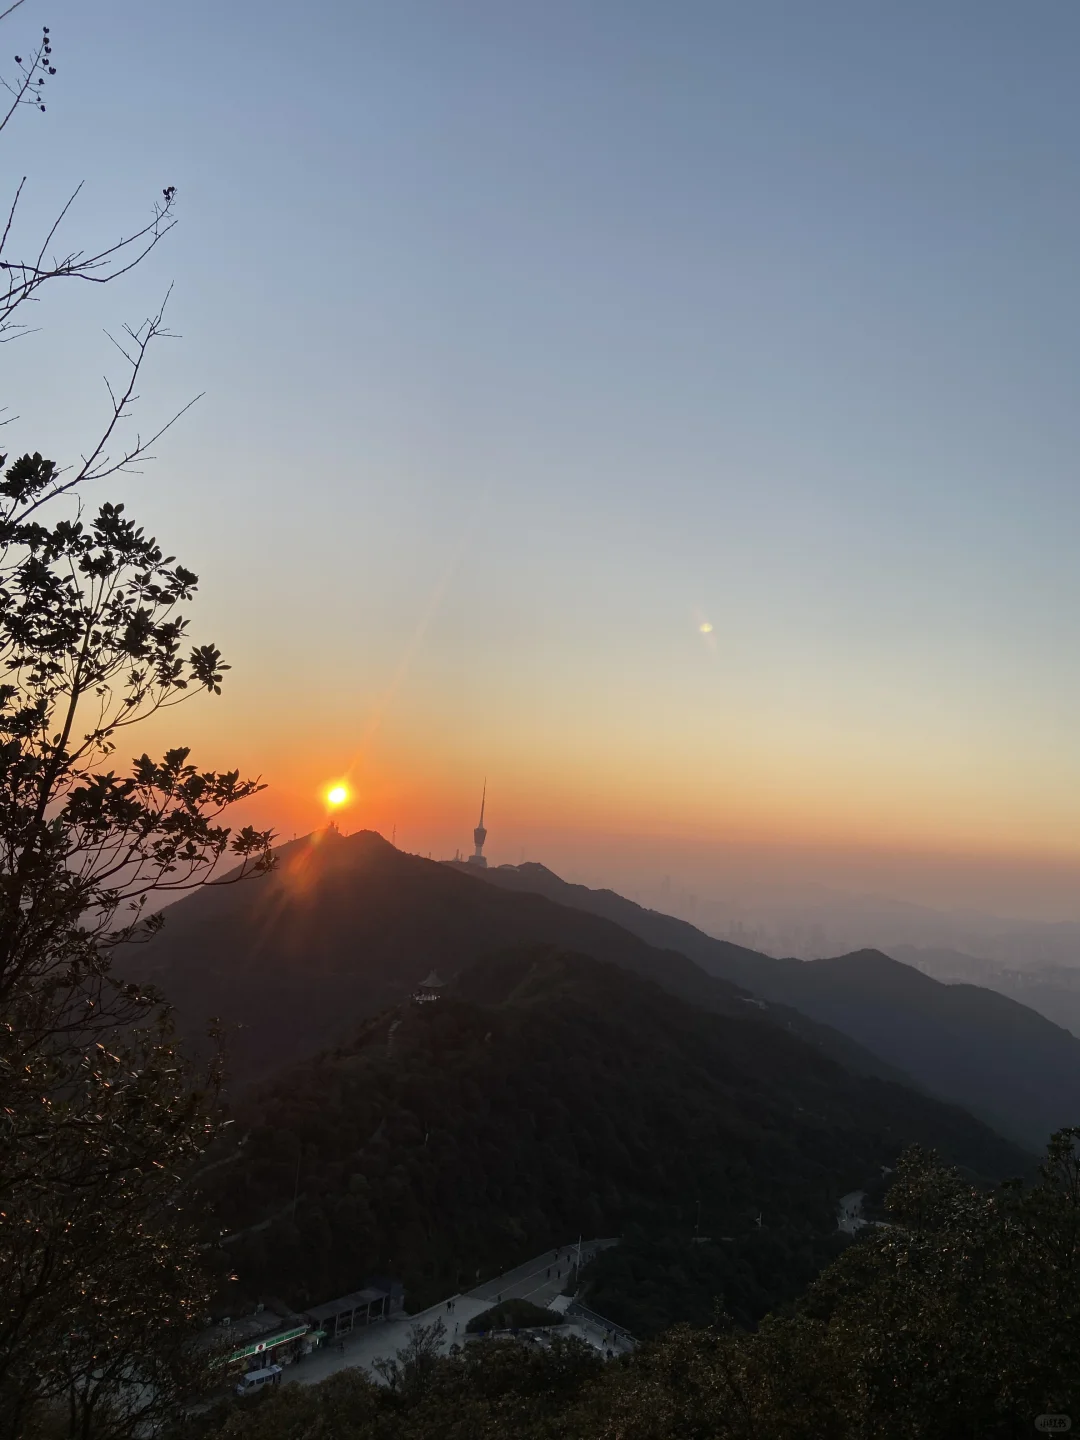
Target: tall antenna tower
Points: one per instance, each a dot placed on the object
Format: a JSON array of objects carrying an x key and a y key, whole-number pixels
[{"x": 480, "y": 835}]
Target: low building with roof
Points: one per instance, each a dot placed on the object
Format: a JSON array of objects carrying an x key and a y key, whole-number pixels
[{"x": 380, "y": 1299}]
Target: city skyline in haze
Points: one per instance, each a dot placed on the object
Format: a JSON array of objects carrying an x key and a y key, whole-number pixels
[{"x": 667, "y": 412}]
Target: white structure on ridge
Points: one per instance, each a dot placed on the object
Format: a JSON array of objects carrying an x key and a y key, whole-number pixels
[{"x": 479, "y": 835}]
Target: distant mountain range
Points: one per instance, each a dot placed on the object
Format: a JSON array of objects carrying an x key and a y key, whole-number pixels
[
  {"x": 345, "y": 927},
  {"x": 813, "y": 921},
  {"x": 1051, "y": 989},
  {"x": 986, "y": 1051}
]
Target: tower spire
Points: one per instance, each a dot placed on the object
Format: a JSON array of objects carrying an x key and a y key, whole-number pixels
[{"x": 480, "y": 834}]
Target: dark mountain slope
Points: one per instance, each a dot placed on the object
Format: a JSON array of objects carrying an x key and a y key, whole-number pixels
[
  {"x": 549, "y": 1095},
  {"x": 344, "y": 927},
  {"x": 664, "y": 931},
  {"x": 993, "y": 1055},
  {"x": 1051, "y": 989}
]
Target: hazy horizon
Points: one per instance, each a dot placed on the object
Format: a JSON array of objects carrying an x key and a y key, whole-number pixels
[{"x": 792, "y": 903}]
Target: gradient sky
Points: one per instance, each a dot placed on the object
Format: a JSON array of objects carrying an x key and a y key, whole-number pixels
[{"x": 534, "y": 336}]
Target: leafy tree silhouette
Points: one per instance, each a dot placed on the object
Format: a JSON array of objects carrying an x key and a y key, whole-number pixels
[{"x": 101, "y": 1120}]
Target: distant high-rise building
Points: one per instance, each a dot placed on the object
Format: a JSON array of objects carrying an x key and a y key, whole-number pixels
[{"x": 479, "y": 835}]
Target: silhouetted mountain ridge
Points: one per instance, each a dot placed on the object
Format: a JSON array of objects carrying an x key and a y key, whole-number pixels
[
  {"x": 995, "y": 1056},
  {"x": 1051, "y": 988},
  {"x": 344, "y": 926}
]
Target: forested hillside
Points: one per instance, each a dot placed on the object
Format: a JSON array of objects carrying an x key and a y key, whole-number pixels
[{"x": 553, "y": 1095}]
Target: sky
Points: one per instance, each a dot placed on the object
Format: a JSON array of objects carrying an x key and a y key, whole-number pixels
[{"x": 536, "y": 337}]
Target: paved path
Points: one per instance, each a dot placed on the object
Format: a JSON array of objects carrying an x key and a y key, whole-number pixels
[{"x": 539, "y": 1280}]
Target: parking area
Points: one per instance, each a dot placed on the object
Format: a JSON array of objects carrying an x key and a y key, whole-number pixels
[{"x": 540, "y": 1280}]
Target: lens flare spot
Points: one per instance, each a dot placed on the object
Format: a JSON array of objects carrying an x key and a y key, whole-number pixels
[{"x": 705, "y": 627}]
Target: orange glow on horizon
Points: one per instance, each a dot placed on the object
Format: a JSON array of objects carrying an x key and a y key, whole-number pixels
[{"x": 596, "y": 799}]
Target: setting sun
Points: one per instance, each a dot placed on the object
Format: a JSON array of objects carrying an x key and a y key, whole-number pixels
[{"x": 337, "y": 795}]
